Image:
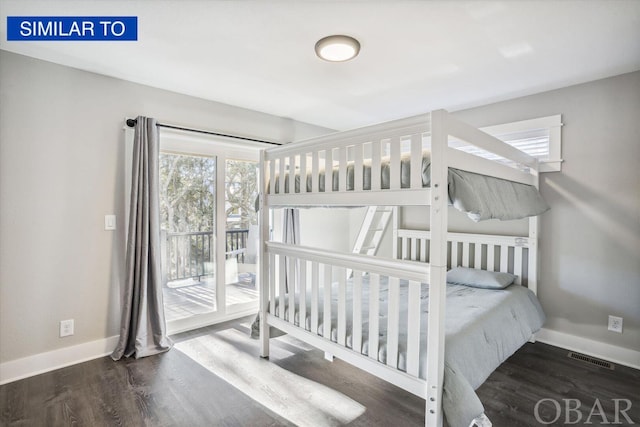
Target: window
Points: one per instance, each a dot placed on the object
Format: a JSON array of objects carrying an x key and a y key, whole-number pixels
[{"x": 540, "y": 138}]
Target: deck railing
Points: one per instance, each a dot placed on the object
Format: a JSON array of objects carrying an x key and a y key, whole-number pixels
[{"x": 190, "y": 254}]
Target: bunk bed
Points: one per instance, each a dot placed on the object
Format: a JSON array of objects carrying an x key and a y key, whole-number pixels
[{"x": 337, "y": 301}]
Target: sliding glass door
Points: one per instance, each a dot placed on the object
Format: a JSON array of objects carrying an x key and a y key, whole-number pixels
[
  {"x": 241, "y": 246},
  {"x": 187, "y": 212},
  {"x": 209, "y": 230}
]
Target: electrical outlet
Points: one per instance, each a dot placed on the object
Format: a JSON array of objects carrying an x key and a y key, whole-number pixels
[
  {"x": 615, "y": 324},
  {"x": 66, "y": 328}
]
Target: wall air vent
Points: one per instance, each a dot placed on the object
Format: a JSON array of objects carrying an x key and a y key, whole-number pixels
[{"x": 591, "y": 360}]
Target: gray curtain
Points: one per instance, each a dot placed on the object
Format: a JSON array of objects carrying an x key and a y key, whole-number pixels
[
  {"x": 143, "y": 328},
  {"x": 291, "y": 235}
]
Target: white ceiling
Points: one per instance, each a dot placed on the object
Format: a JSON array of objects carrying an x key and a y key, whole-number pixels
[{"x": 415, "y": 56}]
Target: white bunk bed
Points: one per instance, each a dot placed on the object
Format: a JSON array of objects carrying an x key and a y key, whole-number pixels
[{"x": 383, "y": 165}]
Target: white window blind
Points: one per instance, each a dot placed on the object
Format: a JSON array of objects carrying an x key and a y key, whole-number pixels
[{"x": 540, "y": 138}]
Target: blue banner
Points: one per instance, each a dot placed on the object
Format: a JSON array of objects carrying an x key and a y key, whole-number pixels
[{"x": 72, "y": 28}]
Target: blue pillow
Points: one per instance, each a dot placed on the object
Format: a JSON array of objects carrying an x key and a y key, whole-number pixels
[{"x": 479, "y": 278}]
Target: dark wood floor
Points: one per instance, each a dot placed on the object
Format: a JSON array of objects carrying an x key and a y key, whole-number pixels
[{"x": 174, "y": 390}]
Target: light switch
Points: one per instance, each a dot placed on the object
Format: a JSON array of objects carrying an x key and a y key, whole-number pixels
[{"x": 109, "y": 222}]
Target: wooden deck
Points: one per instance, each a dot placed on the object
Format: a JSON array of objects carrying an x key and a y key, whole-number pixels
[{"x": 190, "y": 297}]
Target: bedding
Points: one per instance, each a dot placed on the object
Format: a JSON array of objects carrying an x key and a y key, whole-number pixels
[
  {"x": 481, "y": 197},
  {"x": 483, "y": 328}
]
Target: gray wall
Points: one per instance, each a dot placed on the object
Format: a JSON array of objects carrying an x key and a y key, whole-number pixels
[
  {"x": 590, "y": 239},
  {"x": 61, "y": 171}
]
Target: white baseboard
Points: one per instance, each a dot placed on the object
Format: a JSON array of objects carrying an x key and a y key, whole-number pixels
[
  {"x": 18, "y": 369},
  {"x": 44, "y": 362},
  {"x": 29, "y": 366},
  {"x": 611, "y": 353}
]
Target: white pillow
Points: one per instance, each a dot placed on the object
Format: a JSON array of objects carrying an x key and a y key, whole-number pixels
[{"x": 479, "y": 278}]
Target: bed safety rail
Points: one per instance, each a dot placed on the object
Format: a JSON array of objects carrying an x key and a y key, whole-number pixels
[
  {"x": 347, "y": 168},
  {"x": 306, "y": 280}
]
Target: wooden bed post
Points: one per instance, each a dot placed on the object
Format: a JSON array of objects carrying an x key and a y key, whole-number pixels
[
  {"x": 437, "y": 268},
  {"x": 263, "y": 261},
  {"x": 534, "y": 228}
]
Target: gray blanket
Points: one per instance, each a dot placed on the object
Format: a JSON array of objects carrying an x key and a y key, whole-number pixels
[
  {"x": 483, "y": 328},
  {"x": 481, "y": 197}
]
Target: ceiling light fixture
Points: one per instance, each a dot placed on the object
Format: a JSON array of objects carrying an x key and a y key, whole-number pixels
[{"x": 337, "y": 48}]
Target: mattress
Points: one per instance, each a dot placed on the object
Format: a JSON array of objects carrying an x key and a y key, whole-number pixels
[
  {"x": 483, "y": 327},
  {"x": 481, "y": 197}
]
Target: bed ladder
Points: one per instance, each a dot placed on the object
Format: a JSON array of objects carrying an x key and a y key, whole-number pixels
[{"x": 373, "y": 226}]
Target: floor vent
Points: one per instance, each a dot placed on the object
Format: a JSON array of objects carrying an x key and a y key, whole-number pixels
[{"x": 592, "y": 360}]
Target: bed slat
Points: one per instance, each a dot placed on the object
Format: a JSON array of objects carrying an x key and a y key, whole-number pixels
[
  {"x": 413, "y": 328},
  {"x": 394, "y": 164},
  {"x": 404, "y": 244},
  {"x": 314, "y": 296},
  {"x": 292, "y": 174},
  {"x": 465, "y": 254},
  {"x": 303, "y": 172},
  {"x": 374, "y": 310},
  {"x": 272, "y": 175},
  {"x": 272, "y": 284},
  {"x": 281, "y": 175},
  {"x": 424, "y": 244},
  {"x": 342, "y": 169},
  {"x": 283, "y": 289},
  {"x": 477, "y": 259},
  {"x": 517, "y": 264},
  {"x": 291, "y": 285},
  {"x": 491, "y": 257},
  {"x": 454, "y": 254},
  {"x": 315, "y": 175},
  {"x": 356, "y": 334},
  {"x": 328, "y": 171},
  {"x": 342, "y": 306},
  {"x": 375, "y": 165},
  {"x": 504, "y": 258},
  {"x": 416, "y": 161},
  {"x": 326, "y": 320},
  {"x": 414, "y": 249},
  {"x": 357, "y": 168},
  {"x": 302, "y": 292},
  {"x": 393, "y": 319}
]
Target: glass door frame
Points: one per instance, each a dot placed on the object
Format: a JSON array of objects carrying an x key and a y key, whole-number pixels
[{"x": 184, "y": 142}]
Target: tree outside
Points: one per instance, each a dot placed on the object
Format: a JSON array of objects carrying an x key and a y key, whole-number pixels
[
  {"x": 187, "y": 193},
  {"x": 188, "y": 207},
  {"x": 241, "y": 193}
]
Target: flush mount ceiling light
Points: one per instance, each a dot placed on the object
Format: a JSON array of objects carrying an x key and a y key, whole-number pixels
[{"x": 337, "y": 48}]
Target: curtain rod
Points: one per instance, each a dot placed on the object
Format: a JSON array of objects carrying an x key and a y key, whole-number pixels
[{"x": 132, "y": 122}]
